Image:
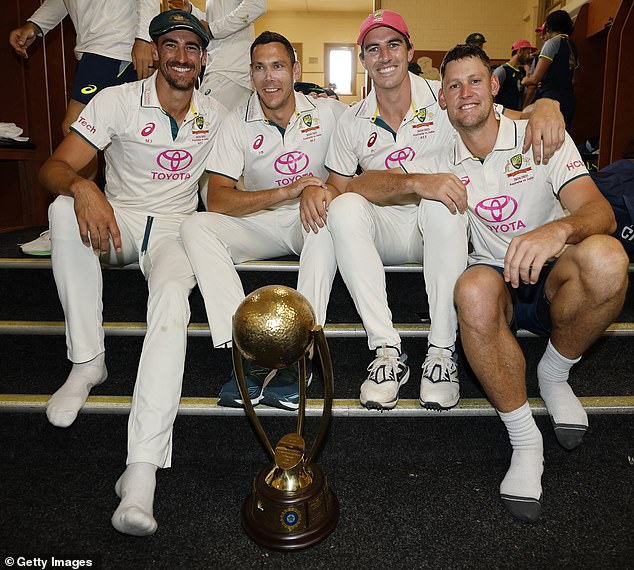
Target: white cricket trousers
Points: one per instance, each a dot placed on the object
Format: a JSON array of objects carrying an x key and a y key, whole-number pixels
[
  {"x": 367, "y": 236},
  {"x": 214, "y": 242},
  {"x": 224, "y": 90},
  {"x": 156, "y": 245}
]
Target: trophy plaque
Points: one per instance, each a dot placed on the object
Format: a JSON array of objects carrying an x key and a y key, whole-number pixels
[{"x": 291, "y": 505}]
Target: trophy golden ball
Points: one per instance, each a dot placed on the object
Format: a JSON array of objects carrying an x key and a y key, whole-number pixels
[{"x": 272, "y": 326}]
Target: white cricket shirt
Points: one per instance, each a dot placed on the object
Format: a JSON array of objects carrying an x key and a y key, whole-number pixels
[{"x": 151, "y": 164}]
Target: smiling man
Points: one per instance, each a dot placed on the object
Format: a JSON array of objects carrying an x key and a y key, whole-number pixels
[
  {"x": 378, "y": 219},
  {"x": 156, "y": 135},
  {"x": 532, "y": 267},
  {"x": 277, "y": 142}
]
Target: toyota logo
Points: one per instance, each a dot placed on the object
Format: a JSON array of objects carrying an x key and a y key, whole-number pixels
[
  {"x": 398, "y": 157},
  {"x": 498, "y": 209},
  {"x": 292, "y": 162},
  {"x": 174, "y": 160}
]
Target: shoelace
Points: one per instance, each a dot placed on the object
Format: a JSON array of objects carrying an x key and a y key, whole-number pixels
[
  {"x": 444, "y": 363},
  {"x": 390, "y": 365}
]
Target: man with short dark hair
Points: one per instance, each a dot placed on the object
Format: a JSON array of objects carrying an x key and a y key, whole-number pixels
[
  {"x": 156, "y": 135},
  {"x": 531, "y": 267},
  {"x": 277, "y": 143},
  {"x": 510, "y": 75},
  {"x": 379, "y": 220}
]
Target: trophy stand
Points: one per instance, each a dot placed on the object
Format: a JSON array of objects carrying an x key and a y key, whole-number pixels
[{"x": 291, "y": 505}]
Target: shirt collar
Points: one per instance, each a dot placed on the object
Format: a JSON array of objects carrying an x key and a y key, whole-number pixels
[
  {"x": 507, "y": 139},
  {"x": 149, "y": 99},
  {"x": 423, "y": 95},
  {"x": 254, "y": 112}
]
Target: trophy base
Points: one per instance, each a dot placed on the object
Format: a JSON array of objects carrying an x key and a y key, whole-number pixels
[{"x": 290, "y": 520}]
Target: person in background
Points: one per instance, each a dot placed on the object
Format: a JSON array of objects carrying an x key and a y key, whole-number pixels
[
  {"x": 510, "y": 75},
  {"x": 554, "y": 72},
  {"x": 112, "y": 47},
  {"x": 230, "y": 22},
  {"x": 476, "y": 39}
]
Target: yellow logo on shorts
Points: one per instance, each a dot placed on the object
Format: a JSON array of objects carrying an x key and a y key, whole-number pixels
[{"x": 89, "y": 89}]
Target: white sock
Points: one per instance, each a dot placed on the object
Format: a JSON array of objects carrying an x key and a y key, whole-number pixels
[
  {"x": 63, "y": 405},
  {"x": 523, "y": 479},
  {"x": 135, "y": 513},
  {"x": 562, "y": 404}
]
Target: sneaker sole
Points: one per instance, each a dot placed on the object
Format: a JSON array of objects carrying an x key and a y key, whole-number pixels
[
  {"x": 231, "y": 403},
  {"x": 438, "y": 406},
  {"x": 379, "y": 405},
  {"x": 37, "y": 253}
]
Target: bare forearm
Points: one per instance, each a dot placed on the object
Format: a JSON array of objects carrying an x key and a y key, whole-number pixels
[
  {"x": 234, "y": 202},
  {"x": 593, "y": 218},
  {"x": 385, "y": 188},
  {"x": 58, "y": 177}
]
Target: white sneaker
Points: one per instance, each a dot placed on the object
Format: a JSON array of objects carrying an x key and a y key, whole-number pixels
[
  {"x": 439, "y": 386},
  {"x": 40, "y": 246},
  {"x": 387, "y": 373}
]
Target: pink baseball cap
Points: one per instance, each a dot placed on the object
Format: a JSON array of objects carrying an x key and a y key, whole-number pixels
[
  {"x": 540, "y": 28},
  {"x": 519, "y": 44},
  {"x": 383, "y": 18}
]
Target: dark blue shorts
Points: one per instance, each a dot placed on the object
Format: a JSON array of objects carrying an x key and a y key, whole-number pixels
[
  {"x": 531, "y": 308},
  {"x": 96, "y": 72}
]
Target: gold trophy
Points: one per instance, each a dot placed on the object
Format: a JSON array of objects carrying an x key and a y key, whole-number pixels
[{"x": 291, "y": 505}]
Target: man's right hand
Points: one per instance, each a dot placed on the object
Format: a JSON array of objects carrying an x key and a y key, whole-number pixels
[
  {"x": 142, "y": 59},
  {"x": 446, "y": 188},
  {"x": 95, "y": 216},
  {"x": 295, "y": 189},
  {"x": 21, "y": 38}
]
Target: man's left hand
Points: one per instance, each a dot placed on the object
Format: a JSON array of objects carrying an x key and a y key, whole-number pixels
[{"x": 546, "y": 130}]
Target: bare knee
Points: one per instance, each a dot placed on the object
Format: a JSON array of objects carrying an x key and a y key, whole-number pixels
[
  {"x": 481, "y": 298},
  {"x": 603, "y": 266}
]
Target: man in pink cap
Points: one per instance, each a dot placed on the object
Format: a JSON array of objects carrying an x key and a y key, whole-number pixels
[
  {"x": 510, "y": 75},
  {"x": 381, "y": 217}
]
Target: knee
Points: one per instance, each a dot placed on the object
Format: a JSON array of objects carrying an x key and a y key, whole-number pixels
[
  {"x": 347, "y": 212},
  {"x": 435, "y": 220},
  {"x": 171, "y": 297},
  {"x": 603, "y": 265},
  {"x": 61, "y": 213},
  {"x": 194, "y": 228},
  {"x": 479, "y": 296}
]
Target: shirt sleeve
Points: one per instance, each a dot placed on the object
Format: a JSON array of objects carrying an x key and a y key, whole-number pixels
[
  {"x": 565, "y": 166},
  {"x": 341, "y": 157},
  {"x": 146, "y": 10},
  {"x": 100, "y": 120},
  {"x": 241, "y": 17},
  {"x": 550, "y": 48},
  {"x": 227, "y": 155},
  {"x": 500, "y": 73},
  {"x": 48, "y": 15}
]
